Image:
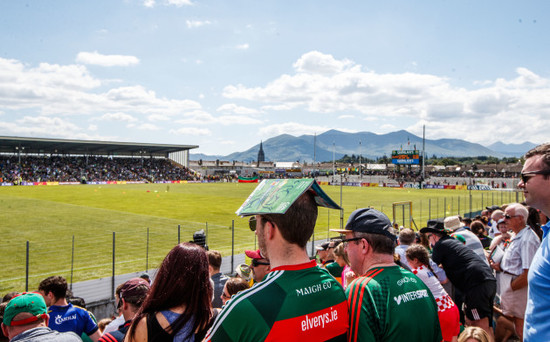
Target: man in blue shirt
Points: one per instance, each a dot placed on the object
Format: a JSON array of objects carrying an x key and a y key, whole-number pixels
[
  {"x": 65, "y": 316},
  {"x": 535, "y": 182}
]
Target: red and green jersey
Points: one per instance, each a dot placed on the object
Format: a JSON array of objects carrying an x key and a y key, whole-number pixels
[
  {"x": 392, "y": 304},
  {"x": 292, "y": 303}
]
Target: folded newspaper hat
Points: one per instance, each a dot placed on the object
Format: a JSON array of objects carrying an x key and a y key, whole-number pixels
[{"x": 275, "y": 196}]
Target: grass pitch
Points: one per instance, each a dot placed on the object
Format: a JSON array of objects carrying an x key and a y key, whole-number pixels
[{"x": 144, "y": 219}]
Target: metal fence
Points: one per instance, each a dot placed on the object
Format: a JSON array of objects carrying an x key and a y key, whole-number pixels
[{"x": 105, "y": 254}]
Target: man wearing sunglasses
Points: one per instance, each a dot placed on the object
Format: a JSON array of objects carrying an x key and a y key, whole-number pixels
[
  {"x": 535, "y": 183},
  {"x": 387, "y": 302},
  {"x": 296, "y": 301},
  {"x": 515, "y": 264},
  {"x": 260, "y": 266}
]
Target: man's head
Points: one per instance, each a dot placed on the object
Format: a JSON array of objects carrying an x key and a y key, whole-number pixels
[
  {"x": 452, "y": 223},
  {"x": 516, "y": 217},
  {"x": 52, "y": 289},
  {"x": 535, "y": 178},
  {"x": 24, "y": 312},
  {"x": 434, "y": 230},
  {"x": 368, "y": 238},
  {"x": 260, "y": 266},
  {"x": 407, "y": 237},
  {"x": 214, "y": 261},
  {"x": 295, "y": 226},
  {"x": 322, "y": 251},
  {"x": 132, "y": 294},
  {"x": 497, "y": 215}
]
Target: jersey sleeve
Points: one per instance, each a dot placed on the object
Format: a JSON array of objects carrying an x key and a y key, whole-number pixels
[{"x": 90, "y": 326}]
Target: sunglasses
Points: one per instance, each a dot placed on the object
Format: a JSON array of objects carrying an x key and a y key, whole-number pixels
[
  {"x": 525, "y": 176},
  {"x": 252, "y": 223},
  {"x": 256, "y": 263},
  {"x": 345, "y": 241},
  {"x": 508, "y": 217}
]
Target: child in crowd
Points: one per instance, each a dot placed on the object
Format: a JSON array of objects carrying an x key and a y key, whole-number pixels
[{"x": 449, "y": 318}]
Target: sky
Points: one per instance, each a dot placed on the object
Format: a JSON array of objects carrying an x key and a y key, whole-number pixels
[{"x": 226, "y": 75}]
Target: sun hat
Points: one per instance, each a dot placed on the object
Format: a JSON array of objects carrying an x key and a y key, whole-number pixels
[
  {"x": 435, "y": 226},
  {"x": 368, "y": 220},
  {"x": 244, "y": 271},
  {"x": 452, "y": 223},
  {"x": 28, "y": 302}
]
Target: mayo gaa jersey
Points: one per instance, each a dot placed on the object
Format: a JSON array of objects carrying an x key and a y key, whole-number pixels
[
  {"x": 292, "y": 303},
  {"x": 392, "y": 304}
]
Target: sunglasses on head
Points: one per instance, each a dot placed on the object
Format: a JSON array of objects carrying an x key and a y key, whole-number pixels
[
  {"x": 256, "y": 263},
  {"x": 525, "y": 176}
]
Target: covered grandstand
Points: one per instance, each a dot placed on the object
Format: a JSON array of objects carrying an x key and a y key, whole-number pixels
[{"x": 63, "y": 147}]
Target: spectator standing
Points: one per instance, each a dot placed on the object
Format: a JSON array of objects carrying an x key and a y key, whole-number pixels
[
  {"x": 469, "y": 239},
  {"x": 219, "y": 279},
  {"x": 296, "y": 293},
  {"x": 496, "y": 216},
  {"x": 535, "y": 182},
  {"x": 132, "y": 295},
  {"x": 179, "y": 304},
  {"x": 232, "y": 287},
  {"x": 515, "y": 265},
  {"x": 468, "y": 272},
  {"x": 65, "y": 316},
  {"x": 387, "y": 302},
  {"x": 26, "y": 319},
  {"x": 449, "y": 318},
  {"x": 259, "y": 265}
]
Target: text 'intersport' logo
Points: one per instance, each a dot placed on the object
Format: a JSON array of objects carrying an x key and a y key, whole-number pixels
[{"x": 410, "y": 296}]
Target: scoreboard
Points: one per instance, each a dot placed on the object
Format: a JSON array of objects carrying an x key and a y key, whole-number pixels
[{"x": 405, "y": 157}]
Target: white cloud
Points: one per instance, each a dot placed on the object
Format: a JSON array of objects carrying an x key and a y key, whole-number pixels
[
  {"x": 158, "y": 117},
  {"x": 191, "y": 131},
  {"x": 242, "y": 46},
  {"x": 44, "y": 126},
  {"x": 179, "y": 3},
  {"x": 119, "y": 116},
  {"x": 346, "y": 117},
  {"x": 197, "y": 23},
  {"x": 149, "y": 3},
  {"x": 92, "y": 127},
  {"x": 323, "y": 84},
  {"x": 292, "y": 128},
  {"x": 147, "y": 127},
  {"x": 232, "y": 108},
  {"x": 196, "y": 117},
  {"x": 227, "y": 120},
  {"x": 95, "y": 58}
]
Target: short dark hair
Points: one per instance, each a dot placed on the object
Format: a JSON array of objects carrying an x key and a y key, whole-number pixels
[
  {"x": 407, "y": 236},
  {"x": 541, "y": 150},
  {"x": 54, "y": 284},
  {"x": 235, "y": 285},
  {"x": 380, "y": 244},
  {"x": 214, "y": 259},
  {"x": 297, "y": 224}
]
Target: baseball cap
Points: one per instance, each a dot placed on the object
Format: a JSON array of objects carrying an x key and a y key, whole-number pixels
[
  {"x": 28, "y": 302},
  {"x": 368, "y": 220},
  {"x": 323, "y": 246},
  {"x": 133, "y": 288},
  {"x": 254, "y": 254},
  {"x": 492, "y": 207}
]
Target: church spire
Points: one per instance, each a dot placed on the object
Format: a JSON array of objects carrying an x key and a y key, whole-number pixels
[{"x": 261, "y": 155}]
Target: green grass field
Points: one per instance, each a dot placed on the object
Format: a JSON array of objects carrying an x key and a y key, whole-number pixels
[{"x": 48, "y": 217}]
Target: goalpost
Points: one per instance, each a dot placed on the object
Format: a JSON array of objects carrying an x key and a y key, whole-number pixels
[{"x": 403, "y": 214}]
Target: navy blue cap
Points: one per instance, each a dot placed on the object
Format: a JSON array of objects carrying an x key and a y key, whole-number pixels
[{"x": 368, "y": 220}]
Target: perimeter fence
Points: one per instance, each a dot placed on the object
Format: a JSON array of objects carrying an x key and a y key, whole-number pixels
[{"x": 79, "y": 257}]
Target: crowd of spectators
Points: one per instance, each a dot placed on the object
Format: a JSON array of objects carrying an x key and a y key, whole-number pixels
[{"x": 89, "y": 169}]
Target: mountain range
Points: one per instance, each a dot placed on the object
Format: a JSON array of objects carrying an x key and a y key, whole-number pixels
[{"x": 335, "y": 144}]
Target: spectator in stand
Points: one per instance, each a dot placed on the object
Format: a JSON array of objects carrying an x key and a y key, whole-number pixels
[
  {"x": 295, "y": 291},
  {"x": 515, "y": 265},
  {"x": 322, "y": 253},
  {"x": 232, "y": 287},
  {"x": 449, "y": 318},
  {"x": 333, "y": 267},
  {"x": 26, "y": 319},
  {"x": 380, "y": 302},
  {"x": 474, "y": 334},
  {"x": 496, "y": 216},
  {"x": 65, "y": 316},
  {"x": 456, "y": 227},
  {"x": 179, "y": 304},
  {"x": 103, "y": 323},
  {"x": 535, "y": 183},
  {"x": 490, "y": 220},
  {"x": 343, "y": 261},
  {"x": 478, "y": 229},
  {"x": 260, "y": 266},
  {"x": 132, "y": 295},
  {"x": 470, "y": 274},
  {"x": 119, "y": 320},
  {"x": 219, "y": 279}
]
